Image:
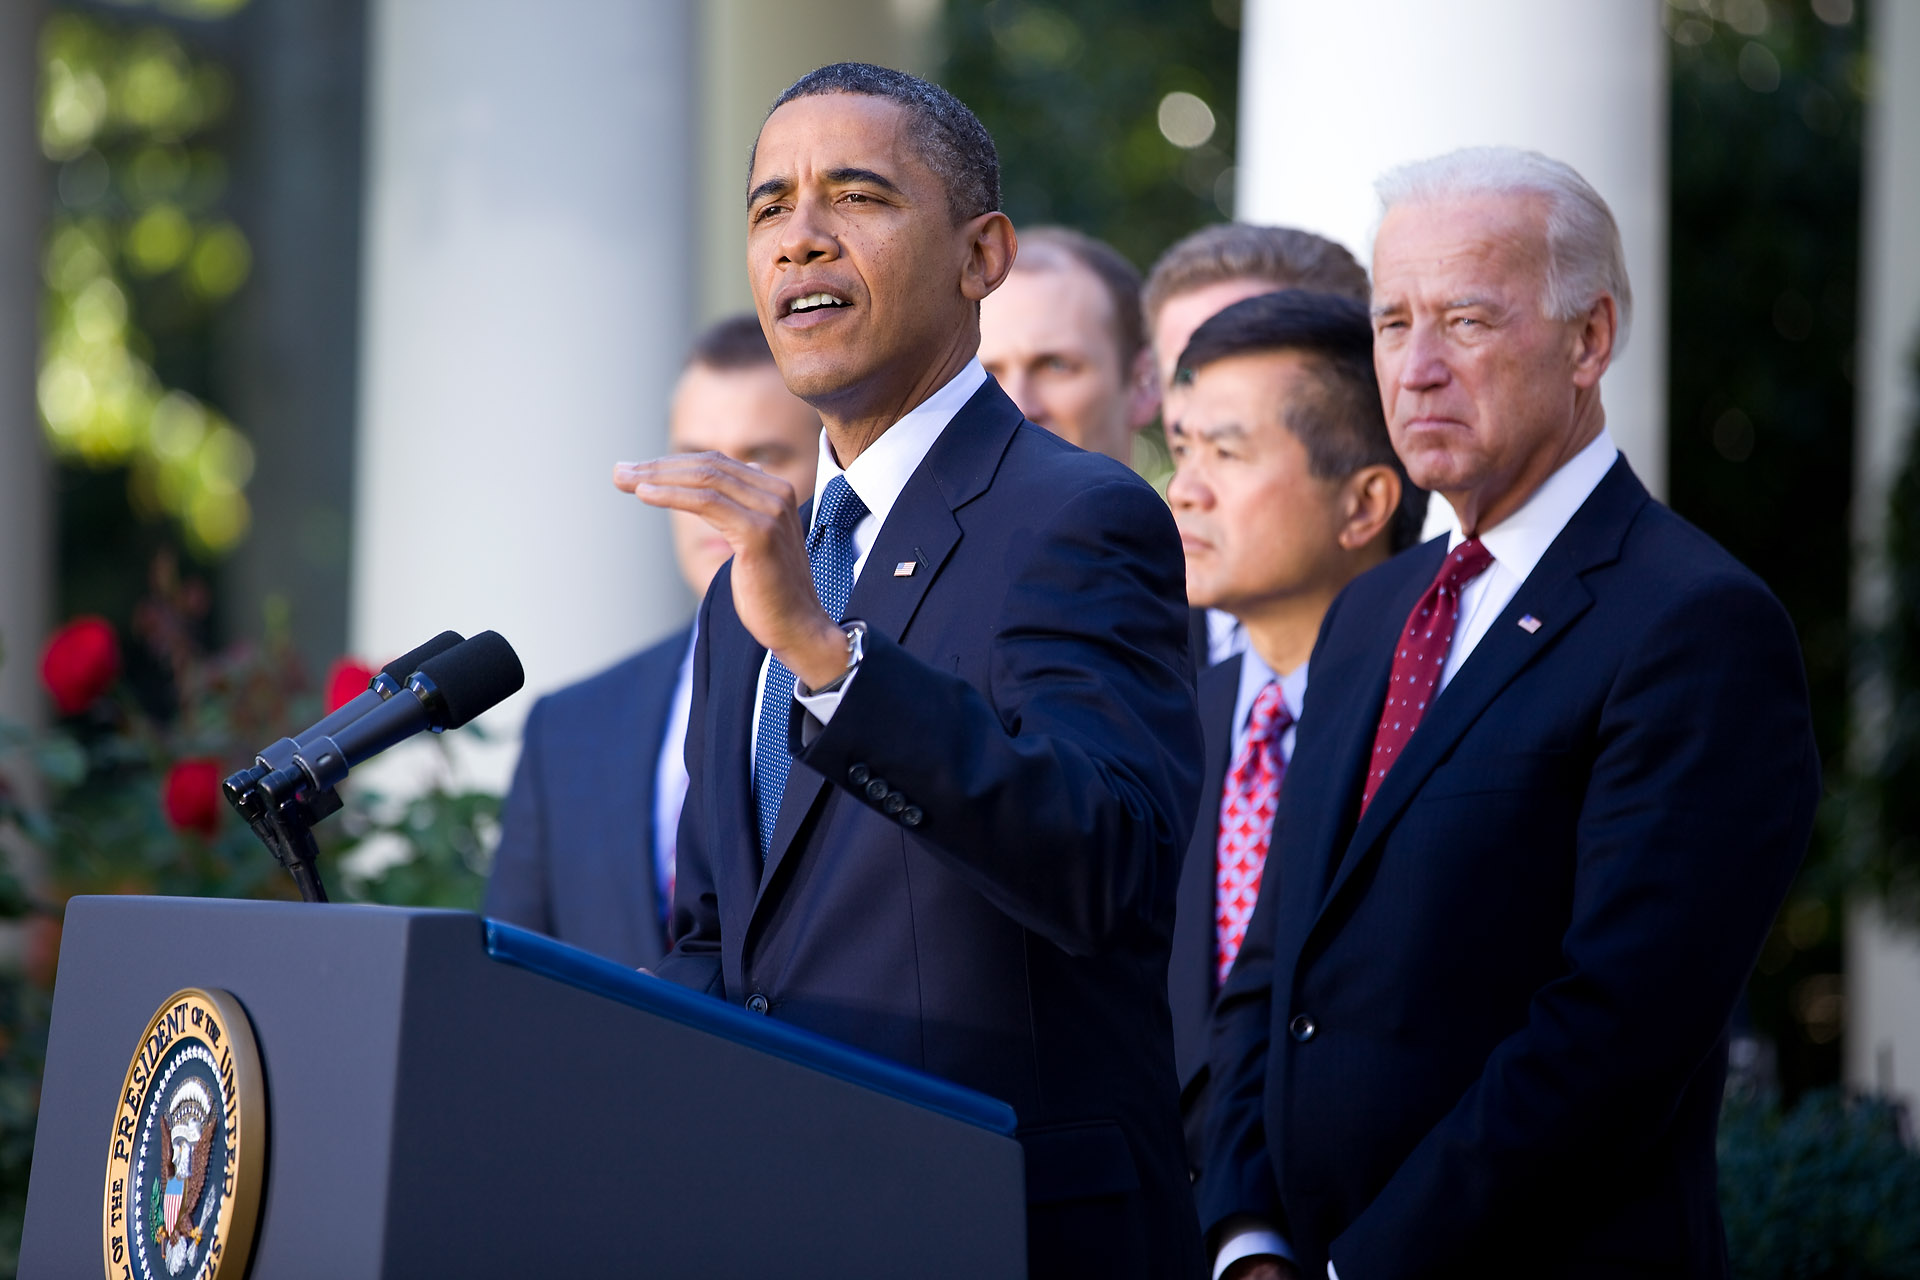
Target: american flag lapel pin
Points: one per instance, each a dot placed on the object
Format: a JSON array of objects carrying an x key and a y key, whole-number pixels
[
  {"x": 1529, "y": 623},
  {"x": 906, "y": 567}
]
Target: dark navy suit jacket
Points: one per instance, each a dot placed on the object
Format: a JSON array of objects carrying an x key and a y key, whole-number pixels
[
  {"x": 974, "y": 866},
  {"x": 1190, "y": 973},
  {"x": 1483, "y": 1029},
  {"x": 576, "y": 835}
]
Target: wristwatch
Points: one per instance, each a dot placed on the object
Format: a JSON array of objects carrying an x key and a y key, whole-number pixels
[{"x": 856, "y": 649}]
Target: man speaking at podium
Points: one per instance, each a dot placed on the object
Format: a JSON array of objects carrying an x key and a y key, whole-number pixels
[{"x": 943, "y": 747}]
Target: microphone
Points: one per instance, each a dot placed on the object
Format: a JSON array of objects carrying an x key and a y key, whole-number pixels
[
  {"x": 391, "y": 680},
  {"x": 445, "y": 693}
]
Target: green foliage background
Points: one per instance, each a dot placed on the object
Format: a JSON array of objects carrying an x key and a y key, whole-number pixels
[{"x": 1071, "y": 93}]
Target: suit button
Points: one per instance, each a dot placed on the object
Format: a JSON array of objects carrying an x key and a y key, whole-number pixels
[
  {"x": 757, "y": 1003},
  {"x": 912, "y": 816},
  {"x": 876, "y": 789},
  {"x": 894, "y": 802},
  {"x": 858, "y": 775},
  {"x": 1302, "y": 1028}
]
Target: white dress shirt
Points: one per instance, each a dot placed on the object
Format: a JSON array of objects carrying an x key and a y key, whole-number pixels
[
  {"x": 1225, "y": 637},
  {"x": 670, "y": 780},
  {"x": 878, "y": 475},
  {"x": 1516, "y": 543}
]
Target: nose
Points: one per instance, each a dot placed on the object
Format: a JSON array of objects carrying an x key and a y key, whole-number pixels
[
  {"x": 1187, "y": 490},
  {"x": 804, "y": 237},
  {"x": 1423, "y": 363}
]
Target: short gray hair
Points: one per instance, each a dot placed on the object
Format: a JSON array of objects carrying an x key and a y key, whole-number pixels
[{"x": 1584, "y": 255}]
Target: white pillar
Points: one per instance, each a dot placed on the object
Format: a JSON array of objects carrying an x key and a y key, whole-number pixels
[
  {"x": 26, "y": 548},
  {"x": 1883, "y": 963},
  {"x": 1331, "y": 95},
  {"x": 529, "y": 292},
  {"x": 753, "y": 49}
]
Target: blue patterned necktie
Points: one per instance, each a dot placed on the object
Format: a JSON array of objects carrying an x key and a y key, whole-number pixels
[{"x": 830, "y": 553}]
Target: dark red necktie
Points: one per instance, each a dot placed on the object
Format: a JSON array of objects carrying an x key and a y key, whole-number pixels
[{"x": 1420, "y": 659}]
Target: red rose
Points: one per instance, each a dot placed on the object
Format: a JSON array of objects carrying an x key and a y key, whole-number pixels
[
  {"x": 191, "y": 796},
  {"x": 80, "y": 661},
  {"x": 347, "y": 680}
]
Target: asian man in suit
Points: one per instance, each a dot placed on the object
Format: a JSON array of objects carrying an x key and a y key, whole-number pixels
[
  {"x": 1202, "y": 275},
  {"x": 1555, "y": 775},
  {"x": 588, "y": 833},
  {"x": 1285, "y": 489},
  {"x": 943, "y": 747}
]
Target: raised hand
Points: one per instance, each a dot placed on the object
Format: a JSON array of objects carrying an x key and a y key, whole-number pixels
[{"x": 772, "y": 584}]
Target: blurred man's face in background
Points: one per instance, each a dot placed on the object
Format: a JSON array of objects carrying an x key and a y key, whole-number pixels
[
  {"x": 1181, "y": 314},
  {"x": 749, "y": 415},
  {"x": 1256, "y": 525},
  {"x": 1050, "y": 339}
]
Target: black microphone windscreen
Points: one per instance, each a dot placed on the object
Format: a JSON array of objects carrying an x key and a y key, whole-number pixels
[
  {"x": 474, "y": 676},
  {"x": 409, "y": 662}
]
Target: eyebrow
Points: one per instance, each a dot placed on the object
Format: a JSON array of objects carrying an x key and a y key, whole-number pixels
[
  {"x": 838, "y": 177},
  {"x": 1208, "y": 435},
  {"x": 1380, "y": 309}
]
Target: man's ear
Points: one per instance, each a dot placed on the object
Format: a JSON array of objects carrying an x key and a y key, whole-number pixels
[
  {"x": 1593, "y": 342},
  {"x": 1143, "y": 390},
  {"x": 991, "y": 246},
  {"x": 1369, "y": 500}
]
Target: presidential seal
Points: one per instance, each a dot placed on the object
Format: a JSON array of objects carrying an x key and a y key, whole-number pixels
[{"x": 188, "y": 1144}]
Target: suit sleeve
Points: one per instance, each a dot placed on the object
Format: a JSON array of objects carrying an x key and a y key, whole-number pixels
[
  {"x": 1695, "y": 819},
  {"x": 694, "y": 920},
  {"x": 517, "y": 886},
  {"x": 1068, "y": 796}
]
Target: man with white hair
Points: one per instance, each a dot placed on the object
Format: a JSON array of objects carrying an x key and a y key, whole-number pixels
[{"x": 1553, "y": 777}]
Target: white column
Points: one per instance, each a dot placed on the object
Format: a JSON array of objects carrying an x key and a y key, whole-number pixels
[
  {"x": 1883, "y": 963},
  {"x": 1331, "y": 95},
  {"x": 529, "y": 292},
  {"x": 26, "y": 548},
  {"x": 753, "y": 49}
]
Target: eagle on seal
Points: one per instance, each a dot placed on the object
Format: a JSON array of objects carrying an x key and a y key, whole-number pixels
[{"x": 186, "y": 1141}]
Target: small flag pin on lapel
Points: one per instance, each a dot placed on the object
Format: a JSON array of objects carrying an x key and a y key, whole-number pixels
[
  {"x": 906, "y": 567},
  {"x": 1529, "y": 623}
]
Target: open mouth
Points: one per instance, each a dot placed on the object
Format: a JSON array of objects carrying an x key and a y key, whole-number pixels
[{"x": 819, "y": 301}]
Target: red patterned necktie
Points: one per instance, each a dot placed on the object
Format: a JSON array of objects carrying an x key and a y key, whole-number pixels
[
  {"x": 1246, "y": 823},
  {"x": 1420, "y": 659}
]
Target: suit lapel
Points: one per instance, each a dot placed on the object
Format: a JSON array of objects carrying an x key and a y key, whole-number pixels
[
  {"x": 919, "y": 529},
  {"x": 735, "y": 658},
  {"x": 1338, "y": 756},
  {"x": 1190, "y": 971},
  {"x": 1554, "y": 594}
]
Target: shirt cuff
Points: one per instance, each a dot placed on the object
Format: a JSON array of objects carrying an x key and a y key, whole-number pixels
[
  {"x": 1331, "y": 1273},
  {"x": 821, "y": 706},
  {"x": 1247, "y": 1239}
]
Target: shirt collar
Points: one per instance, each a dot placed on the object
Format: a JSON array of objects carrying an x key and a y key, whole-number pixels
[
  {"x": 882, "y": 470},
  {"x": 1254, "y": 674},
  {"x": 1518, "y": 542}
]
